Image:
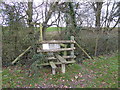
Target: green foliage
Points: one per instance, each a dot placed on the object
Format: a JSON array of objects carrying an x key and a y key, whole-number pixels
[
  {"x": 14, "y": 43},
  {"x": 36, "y": 59}
]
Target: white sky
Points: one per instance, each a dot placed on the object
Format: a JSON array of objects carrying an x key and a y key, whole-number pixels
[
  {"x": 37, "y": 2},
  {"x": 60, "y": 0}
]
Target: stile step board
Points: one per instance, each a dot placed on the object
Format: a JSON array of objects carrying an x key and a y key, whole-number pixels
[
  {"x": 53, "y": 65},
  {"x": 45, "y": 64},
  {"x": 66, "y": 57},
  {"x": 61, "y": 59}
]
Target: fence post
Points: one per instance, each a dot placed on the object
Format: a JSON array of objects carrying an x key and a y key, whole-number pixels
[{"x": 72, "y": 46}]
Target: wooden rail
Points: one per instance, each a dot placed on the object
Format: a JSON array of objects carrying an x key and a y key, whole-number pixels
[
  {"x": 56, "y": 50},
  {"x": 21, "y": 55},
  {"x": 56, "y": 42}
]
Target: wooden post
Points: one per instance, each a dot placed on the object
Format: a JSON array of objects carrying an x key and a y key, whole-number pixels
[
  {"x": 63, "y": 61},
  {"x": 72, "y": 46},
  {"x": 21, "y": 54},
  {"x": 65, "y": 52},
  {"x": 63, "y": 68},
  {"x": 83, "y": 50},
  {"x": 53, "y": 71},
  {"x": 53, "y": 67},
  {"x": 41, "y": 33}
]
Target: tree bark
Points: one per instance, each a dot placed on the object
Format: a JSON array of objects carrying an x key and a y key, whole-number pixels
[
  {"x": 30, "y": 14},
  {"x": 48, "y": 16},
  {"x": 97, "y": 9}
]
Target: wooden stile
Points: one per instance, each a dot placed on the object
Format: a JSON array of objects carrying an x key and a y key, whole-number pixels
[{"x": 60, "y": 59}]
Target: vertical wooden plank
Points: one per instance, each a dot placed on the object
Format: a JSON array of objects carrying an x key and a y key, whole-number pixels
[
  {"x": 41, "y": 33},
  {"x": 72, "y": 46},
  {"x": 63, "y": 68},
  {"x": 65, "y": 52},
  {"x": 53, "y": 71}
]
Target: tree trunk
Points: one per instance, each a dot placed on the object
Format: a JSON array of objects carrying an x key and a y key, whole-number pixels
[
  {"x": 48, "y": 16},
  {"x": 72, "y": 14},
  {"x": 97, "y": 9},
  {"x": 98, "y": 14},
  {"x": 30, "y": 14}
]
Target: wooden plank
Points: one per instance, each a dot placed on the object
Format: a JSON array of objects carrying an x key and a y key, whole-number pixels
[
  {"x": 83, "y": 50},
  {"x": 57, "y": 63},
  {"x": 21, "y": 54},
  {"x": 52, "y": 64},
  {"x": 65, "y": 52},
  {"x": 72, "y": 46},
  {"x": 53, "y": 67},
  {"x": 61, "y": 59},
  {"x": 56, "y": 42},
  {"x": 41, "y": 33},
  {"x": 66, "y": 57},
  {"x": 63, "y": 68},
  {"x": 56, "y": 50}
]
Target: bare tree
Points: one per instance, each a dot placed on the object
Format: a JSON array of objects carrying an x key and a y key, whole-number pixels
[
  {"x": 97, "y": 6},
  {"x": 29, "y": 13}
]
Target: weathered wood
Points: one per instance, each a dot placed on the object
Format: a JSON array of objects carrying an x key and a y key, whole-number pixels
[
  {"x": 52, "y": 64},
  {"x": 53, "y": 71},
  {"x": 41, "y": 33},
  {"x": 65, "y": 52},
  {"x": 72, "y": 46},
  {"x": 65, "y": 46},
  {"x": 61, "y": 59},
  {"x": 83, "y": 50},
  {"x": 66, "y": 57},
  {"x": 57, "y": 63},
  {"x": 56, "y": 42},
  {"x": 56, "y": 50},
  {"x": 63, "y": 68},
  {"x": 21, "y": 54}
]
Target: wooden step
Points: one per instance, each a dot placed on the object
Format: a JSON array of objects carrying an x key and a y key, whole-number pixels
[
  {"x": 52, "y": 64},
  {"x": 57, "y": 63},
  {"x": 66, "y": 57},
  {"x": 61, "y": 59}
]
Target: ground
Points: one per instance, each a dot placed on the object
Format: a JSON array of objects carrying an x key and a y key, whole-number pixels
[{"x": 100, "y": 72}]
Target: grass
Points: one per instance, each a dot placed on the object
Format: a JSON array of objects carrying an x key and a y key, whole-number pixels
[
  {"x": 55, "y": 29},
  {"x": 50, "y": 29},
  {"x": 105, "y": 70},
  {"x": 100, "y": 72}
]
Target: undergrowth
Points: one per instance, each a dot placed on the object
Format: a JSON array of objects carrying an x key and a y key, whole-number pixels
[{"x": 100, "y": 72}]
